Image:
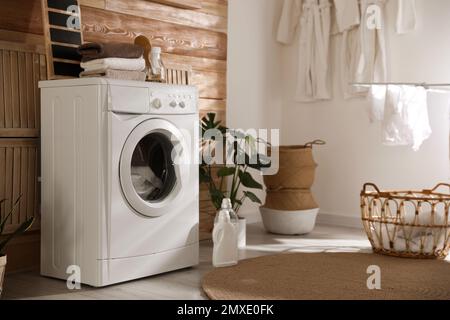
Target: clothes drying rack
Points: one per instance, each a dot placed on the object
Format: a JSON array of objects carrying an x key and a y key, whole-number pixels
[{"x": 438, "y": 86}]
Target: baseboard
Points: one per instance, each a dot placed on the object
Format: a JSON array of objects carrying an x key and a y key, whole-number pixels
[
  {"x": 322, "y": 218},
  {"x": 339, "y": 220},
  {"x": 251, "y": 216}
]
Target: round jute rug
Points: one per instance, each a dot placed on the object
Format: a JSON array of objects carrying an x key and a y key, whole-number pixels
[{"x": 330, "y": 276}]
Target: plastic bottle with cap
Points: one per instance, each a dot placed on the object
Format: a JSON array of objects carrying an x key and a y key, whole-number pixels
[
  {"x": 226, "y": 205},
  {"x": 225, "y": 252},
  {"x": 157, "y": 70}
]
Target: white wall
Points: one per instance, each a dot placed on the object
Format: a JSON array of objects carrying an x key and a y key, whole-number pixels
[
  {"x": 261, "y": 80},
  {"x": 354, "y": 153},
  {"x": 254, "y": 74}
]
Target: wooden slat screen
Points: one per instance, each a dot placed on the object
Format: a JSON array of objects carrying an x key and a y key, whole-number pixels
[
  {"x": 21, "y": 68},
  {"x": 19, "y": 169}
]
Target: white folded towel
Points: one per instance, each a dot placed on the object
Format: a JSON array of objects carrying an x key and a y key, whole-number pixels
[{"x": 101, "y": 65}]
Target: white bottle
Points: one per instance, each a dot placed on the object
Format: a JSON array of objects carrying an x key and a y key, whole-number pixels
[
  {"x": 157, "y": 70},
  {"x": 225, "y": 252}
]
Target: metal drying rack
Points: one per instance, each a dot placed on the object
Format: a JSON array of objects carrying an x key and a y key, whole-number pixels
[{"x": 417, "y": 84}]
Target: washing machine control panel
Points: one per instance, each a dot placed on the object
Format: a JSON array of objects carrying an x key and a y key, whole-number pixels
[{"x": 173, "y": 100}]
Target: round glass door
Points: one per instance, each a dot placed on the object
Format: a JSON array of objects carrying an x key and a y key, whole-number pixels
[{"x": 152, "y": 168}]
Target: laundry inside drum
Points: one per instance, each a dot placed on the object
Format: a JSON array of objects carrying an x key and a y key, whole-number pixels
[{"x": 152, "y": 169}]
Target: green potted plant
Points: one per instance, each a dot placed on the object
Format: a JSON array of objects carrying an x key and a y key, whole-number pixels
[
  {"x": 5, "y": 239},
  {"x": 238, "y": 173}
]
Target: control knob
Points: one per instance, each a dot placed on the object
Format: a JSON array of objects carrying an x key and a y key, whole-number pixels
[{"x": 157, "y": 104}]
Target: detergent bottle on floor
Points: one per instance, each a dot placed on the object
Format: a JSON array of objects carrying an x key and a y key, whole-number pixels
[{"x": 225, "y": 252}]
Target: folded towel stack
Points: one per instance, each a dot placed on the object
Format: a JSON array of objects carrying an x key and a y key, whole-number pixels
[{"x": 113, "y": 60}]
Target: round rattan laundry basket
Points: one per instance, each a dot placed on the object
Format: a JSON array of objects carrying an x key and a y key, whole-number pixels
[{"x": 409, "y": 224}]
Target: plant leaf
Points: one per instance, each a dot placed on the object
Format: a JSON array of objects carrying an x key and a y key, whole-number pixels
[
  {"x": 204, "y": 176},
  {"x": 258, "y": 162},
  {"x": 20, "y": 230},
  {"x": 248, "y": 181},
  {"x": 13, "y": 209},
  {"x": 253, "y": 197},
  {"x": 216, "y": 197},
  {"x": 226, "y": 172}
]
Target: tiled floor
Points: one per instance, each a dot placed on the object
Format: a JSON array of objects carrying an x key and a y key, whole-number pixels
[{"x": 185, "y": 284}]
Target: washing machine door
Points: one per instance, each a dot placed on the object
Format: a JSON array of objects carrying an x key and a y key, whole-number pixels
[{"x": 154, "y": 167}]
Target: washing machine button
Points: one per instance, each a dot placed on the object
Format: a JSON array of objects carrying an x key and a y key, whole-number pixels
[
  {"x": 157, "y": 104},
  {"x": 173, "y": 104},
  {"x": 182, "y": 105}
]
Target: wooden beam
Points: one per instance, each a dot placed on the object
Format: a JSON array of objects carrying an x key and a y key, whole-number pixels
[
  {"x": 100, "y": 4},
  {"x": 24, "y": 38},
  {"x": 197, "y": 64},
  {"x": 185, "y": 4},
  {"x": 211, "y": 85},
  {"x": 23, "y": 16},
  {"x": 215, "y": 7},
  {"x": 147, "y": 9}
]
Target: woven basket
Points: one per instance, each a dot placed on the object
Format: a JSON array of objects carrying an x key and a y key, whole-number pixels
[
  {"x": 296, "y": 156},
  {"x": 409, "y": 224},
  {"x": 290, "y": 200},
  {"x": 289, "y": 189},
  {"x": 291, "y": 178}
]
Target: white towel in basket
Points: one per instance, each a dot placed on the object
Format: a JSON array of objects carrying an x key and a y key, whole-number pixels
[{"x": 418, "y": 236}]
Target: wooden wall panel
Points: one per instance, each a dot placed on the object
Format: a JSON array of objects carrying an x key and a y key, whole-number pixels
[
  {"x": 185, "y": 4},
  {"x": 211, "y": 85},
  {"x": 21, "y": 15},
  {"x": 215, "y": 7},
  {"x": 101, "y": 25},
  {"x": 19, "y": 168},
  {"x": 213, "y": 106},
  {"x": 191, "y": 18},
  {"x": 198, "y": 64},
  {"x": 24, "y": 253},
  {"x": 21, "y": 66}
]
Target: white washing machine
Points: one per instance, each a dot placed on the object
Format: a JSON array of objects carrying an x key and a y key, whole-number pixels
[{"x": 119, "y": 179}]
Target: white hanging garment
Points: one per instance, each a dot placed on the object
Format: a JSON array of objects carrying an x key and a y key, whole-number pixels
[
  {"x": 289, "y": 21},
  {"x": 347, "y": 14},
  {"x": 377, "y": 102},
  {"x": 362, "y": 49},
  {"x": 348, "y": 17},
  {"x": 406, "y": 16},
  {"x": 406, "y": 121},
  {"x": 313, "y": 17},
  {"x": 372, "y": 61}
]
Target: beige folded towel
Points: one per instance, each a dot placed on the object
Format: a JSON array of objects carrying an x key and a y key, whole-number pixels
[{"x": 115, "y": 74}]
